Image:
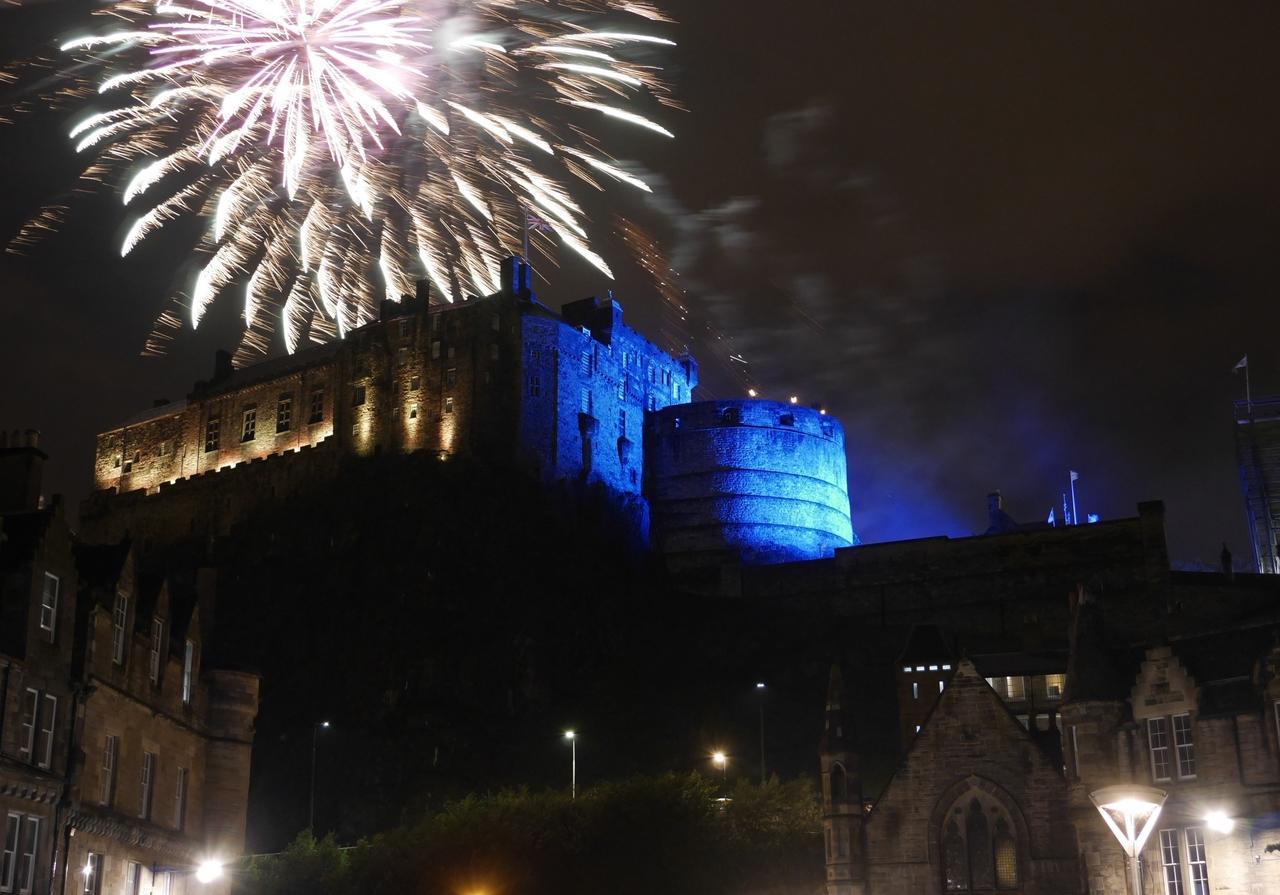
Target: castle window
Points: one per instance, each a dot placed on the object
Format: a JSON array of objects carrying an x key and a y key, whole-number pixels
[
  {"x": 622, "y": 423},
  {"x": 317, "y": 406},
  {"x": 164, "y": 448},
  {"x": 116, "y": 461},
  {"x": 585, "y": 364},
  {"x": 157, "y": 638},
  {"x": 119, "y": 615},
  {"x": 249, "y": 428},
  {"x": 622, "y": 388},
  {"x": 839, "y": 784},
  {"x": 451, "y": 352},
  {"x": 451, "y": 377},
  {"x": 787, "y": 419},
  {"x": 448, "y": 405},
  {"x": 358, "y": 396},
  {"x": 915, "y": 689},
  {"x": 415, "y": 383},
  {"x": 413, "y": 411},
  {"x": 212, "y": 434},
  {"x": 49, "y": 605},
  {"x": 284, "y": 413},
  {"x": 534, "y": 354},
  {"x": 404, "y": 329},
  {"x": 435, "y": 348},
  {"x": 653, "y": 402},
  {"x": 535, "y": 385},
  {"x": 828, "y": 430},
  {"x": 585, "y": 401},
  {"x": 730, "y": 416},
  {"x": 402, "y": 356}
]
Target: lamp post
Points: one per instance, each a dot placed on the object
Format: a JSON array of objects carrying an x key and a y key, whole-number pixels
[
  {"x": 315, "y": 736},
  {"x": 720, "y": 760},
  {"x": 573, "y": 763},
  {"x": 760, "y": 689},
  {"x": 1131, "y": 813}
]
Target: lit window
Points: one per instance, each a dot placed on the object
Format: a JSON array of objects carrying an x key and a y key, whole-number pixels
[
  {"x": 413, "y": 411},
  {"x": 188, "y": 671},
  {"x": 415, "y": 383},
  {"x": 49, "y": 606},
  {"x": 448, "y": 405},
  {"x": 132, "y": 878},
  {"x": 145, "y": 785},
  {"x": 1185, "y": 745},
  {"x": 110, "y": 750},
  {"x": 915, "y": 690},
  {"x": 451, "y": 376},
  {"x": 317, "y": 406},
  {"x": 942, "y": 685},
  {"x": 119, "y": 615},
  {"x": 358, "y": 396},
  {"x": 92, "y": 874},
  {"x": 585, "y": 363},
  {"x": 212, "y": 434},
  {"x": 1197, "y": 861},
  {"x": 435, "y": 349},
  {"x": 1171, "y": 859},
  {"x": 1158, "y": 743},
  {"x": 917, "y": 728},
  {"x": 1006, "y": 856},
  {"x": 1054, "y": 685},
  {"x": 249, "y": 429},
  {"x": 585, "y": 402},
  {"x": 919, "y": 668},
  {"x": 284, "y": 413},
  {"x": 402, "y": 356},
  {"x": 933, "y": 667},
  {"x": 157, "y": 637},
  {"x": 907, "y": 669}
]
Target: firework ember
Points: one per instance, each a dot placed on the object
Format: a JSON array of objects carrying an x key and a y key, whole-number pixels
[{"x": 343, "y": 149}]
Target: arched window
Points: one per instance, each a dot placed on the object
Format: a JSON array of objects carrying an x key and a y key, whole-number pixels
[
  {"x": 977, "y": 846},
  {"x": 839, "y": 784}
]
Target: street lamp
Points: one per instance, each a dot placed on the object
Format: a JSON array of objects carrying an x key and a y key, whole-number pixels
[
  {"x": 760, "y": 688},
  {"x": 1219, "y": 822},
  {"x": 1131, "y": 813},
  {"x": 720, "y": 760},
  {"x": 315, "y": 735},
  {"x": 573, "y": 763},
  {"x": 209, "y": 871}
]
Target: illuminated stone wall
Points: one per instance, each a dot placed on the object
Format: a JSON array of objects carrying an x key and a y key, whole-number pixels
[{"x": 762, "y": 480}]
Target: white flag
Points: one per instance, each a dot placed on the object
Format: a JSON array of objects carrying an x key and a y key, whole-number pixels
[{"x": 1242, "y": 364}]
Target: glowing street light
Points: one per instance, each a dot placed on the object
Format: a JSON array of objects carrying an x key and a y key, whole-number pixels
[
  {"x": 720, "y": 760},
  {"x": 573, "y": 763},
  {"x": 209, "y": 871},
  {"x": 751, "y": 393},
  {"x": 1131, "y": 813},
  {"x": 795, "y": 399},
  {"x": 1219, "y": 822}
]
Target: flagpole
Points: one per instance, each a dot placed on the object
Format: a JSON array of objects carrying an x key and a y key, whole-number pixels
[
  {"x": 526, "y": 236},
  {"x": 1075, "y": 518},
  {"x": 1248, "y": 395}
]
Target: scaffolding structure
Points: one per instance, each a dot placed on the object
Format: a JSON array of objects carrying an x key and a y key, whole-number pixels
[{"x": 1258, "y": 455}]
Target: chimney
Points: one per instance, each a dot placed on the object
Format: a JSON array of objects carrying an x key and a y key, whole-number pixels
[
  {"x": 422, "y": 292},
  {"x": 21, "y": 472},
  {"x": 517, "y": 278},
  {"x": 222, "y": 368}
]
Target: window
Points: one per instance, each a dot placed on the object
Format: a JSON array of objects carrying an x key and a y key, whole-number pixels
[
  {"x": 448, "y": 405},
  {"x": 415, "y": 383},
  {"x": 1006, "y": 855},
  {"x": 317, "y": 406},
  {"x": 49, "y": 606},
  {"x": 585, "y": 364},
  {"x": 357, "y": 396},
  {"x": 27, "y": 723},
  {"x": 413, "y": 411},
  {"x": 404, "y": 329},
  {"x": 132, "y": 878},
  {"x": 188, "y": 671},
  {"x": 787, "y": 419},
  {"x": 28, "y": 844},
  {"x": 92, "y": 874},
  {"x": 212, "y": 434},
  {"x": 402, "y": 357},
  {"x": 493, "y": 351},
  {"x": 1197, "y": 862},
  {"x": 110, "y": 749},
  {"x": 942, "y": 685},
  {"x": 451, "y": 352},
  {"x": 1054, "y": 684},
  {"x": 146, "y": 784},
  {"x": 180, "y": 801},
  {"x": 249, "y": 428},
  {"x": 535, "y": 390},
  {"x": 9, "y": 861},
  {"x": 451, "y": 377},
  {"x": 284, "y": 413},
  {"x": 915, "y": 689},
  {"x": 1184, "y": 745},
  {"x": 157, "y": 638},
  {"x": 1171, "y": 859},
  {"x": 839, "y": 784},
  {"x": 119, "y": 616},
  {"x": 165, "y": 448},
  {"x": 585, "y": 403},
  {"x": 1158, "y": 742},
  {"x": 48, "y": 724},
  {"x": 622, "y": 423},
  {"x": 978, "y": 849},
  {"x": 622, "y": 388},
  {"x": 435, "y": 348}
]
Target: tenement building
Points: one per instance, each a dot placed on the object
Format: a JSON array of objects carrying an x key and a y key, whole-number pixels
[{"x": 124, "y": 756}]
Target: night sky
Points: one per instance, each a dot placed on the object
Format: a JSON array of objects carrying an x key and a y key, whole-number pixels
[{"x": 998, "y": 240}]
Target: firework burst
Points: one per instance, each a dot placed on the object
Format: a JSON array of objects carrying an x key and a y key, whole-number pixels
[{"x": 341, "y": 150}]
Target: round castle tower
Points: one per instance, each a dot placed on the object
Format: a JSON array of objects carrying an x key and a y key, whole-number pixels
[{"x": 760, "y": 480}]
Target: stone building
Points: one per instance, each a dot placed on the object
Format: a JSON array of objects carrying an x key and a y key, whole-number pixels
[
  {"x": 503, "y": 377},
  {"x": 37, "y": 691},
  {"x": 124, "y": 757},
  {"x": 1257, "y": 434}
]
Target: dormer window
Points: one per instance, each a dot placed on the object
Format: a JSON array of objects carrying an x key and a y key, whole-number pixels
[
  {"x": 119, "y": 615},
  {"x": 49, "y": 606},
  {"x": 1166, "y": 757}
]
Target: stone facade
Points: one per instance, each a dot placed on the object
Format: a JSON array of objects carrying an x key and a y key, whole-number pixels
[
  {"x": 502, "y": 377},
  {"x": 124, "y": 761}
]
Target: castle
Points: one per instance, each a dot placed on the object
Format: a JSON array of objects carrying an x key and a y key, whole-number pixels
[{"x": 575, "y": 396}]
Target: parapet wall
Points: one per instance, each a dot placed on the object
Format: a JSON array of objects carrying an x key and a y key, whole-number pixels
[{"x": 762, "y": 481}]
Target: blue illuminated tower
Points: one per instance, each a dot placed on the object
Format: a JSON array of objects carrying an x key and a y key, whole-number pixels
[{"x": 1258, "y": 455}]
